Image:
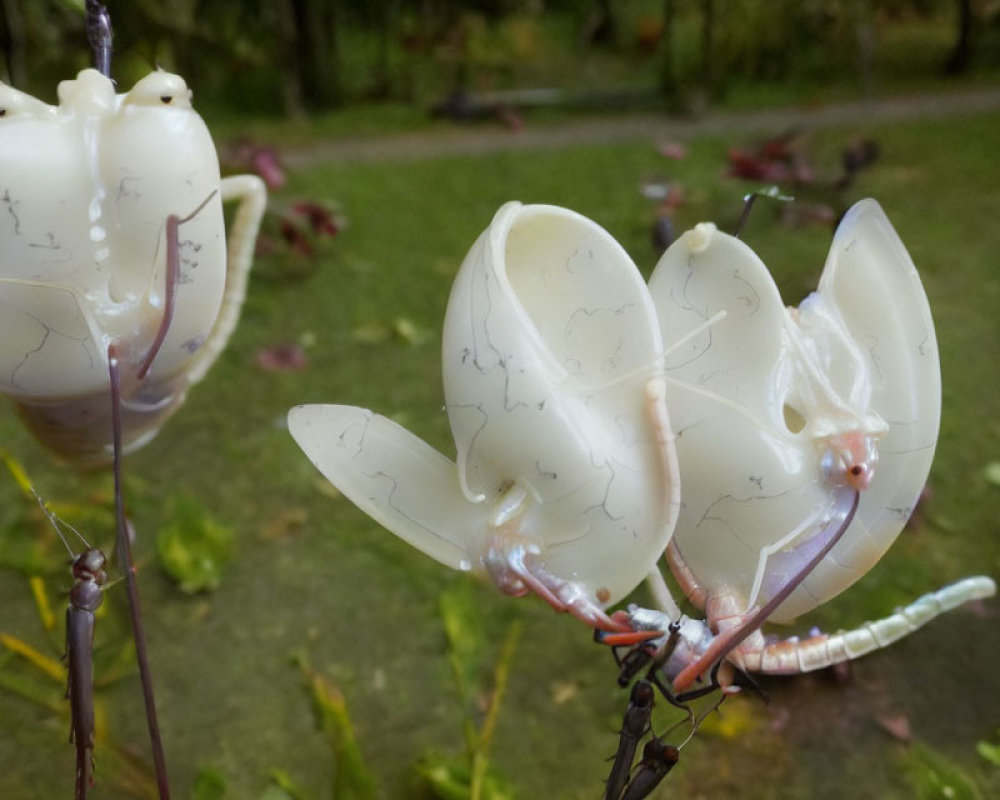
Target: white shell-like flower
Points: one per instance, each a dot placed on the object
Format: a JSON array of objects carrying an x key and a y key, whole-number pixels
[
  {"x": 776, "y": 409},
  {"x": 565, "y": 483},
  {"x": 86, "y": 188}
]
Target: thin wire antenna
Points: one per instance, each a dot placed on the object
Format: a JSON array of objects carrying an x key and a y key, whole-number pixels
[
  {"x": 57, "y": 524},
  {"x": 124, "y": 547},
  {"x": 694, "y": 728},
  {"x": 98, "y": 23},
  {"x": 748, "y": 200},
  {"x": 699, "y": 329}
]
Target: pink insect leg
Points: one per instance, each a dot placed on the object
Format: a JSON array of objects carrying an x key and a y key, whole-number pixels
[
  {"x": 726, "y": 642},
  {"x": 173, "y": 264}
]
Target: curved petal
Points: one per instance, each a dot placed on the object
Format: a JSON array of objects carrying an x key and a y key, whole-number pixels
[
  {"x": 757, "y": 397},
  {"x": 749, "y": 480},
  {"x": 397, "y": 479},
  {"x": 871, "y": 281},
  {"x": 48, "y": 341},
  {"x": 550, "y": 340}
]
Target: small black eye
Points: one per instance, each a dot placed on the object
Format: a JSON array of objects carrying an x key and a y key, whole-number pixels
[
  {"x": 167, "y": 99},
  {"x": 3, "y": 112},
  {"x": 856, "y": 470}
]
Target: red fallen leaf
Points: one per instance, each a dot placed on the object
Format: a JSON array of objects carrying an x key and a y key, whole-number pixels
[
  {"x": 896, "y": 725},
  {"x": 282, "y": 358},
  {"x": 264, "y": 161},
  {"x": 320, "y": 218},
  {"x": 754, "y": 167},
  {"x": 295, "y": 238},
  {"x": 246, "y": 154}
]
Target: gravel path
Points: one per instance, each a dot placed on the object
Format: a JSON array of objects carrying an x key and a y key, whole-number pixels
[{"x": 475, "y": 140}]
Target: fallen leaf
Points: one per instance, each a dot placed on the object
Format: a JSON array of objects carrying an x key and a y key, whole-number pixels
[
  {"x": 897, "y": 726},
  {"x": 282, "y": 358},
  {"x": 563, "y": 691}
]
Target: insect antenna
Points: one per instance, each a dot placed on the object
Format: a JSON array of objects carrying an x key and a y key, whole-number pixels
[
  {"x": 655, "y": 361},
  {"x": 687, "y": 385},
  {"x": 29, "y": 490},
  {"x": 697, "y": 723},
  {"x": 58, "y": 524}
]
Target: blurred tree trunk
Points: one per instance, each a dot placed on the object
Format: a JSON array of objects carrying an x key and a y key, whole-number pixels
[
  {"x": 864, "y": 33},
  {"x": 958, "y": 59},
  {"x": 287, "y": 62},
  {"x": 317, "y": 53},
  {"x": 668, "y": 67},
  {"x": 12, "y": 39},
  {"x": 709, "y": 72},
  {"x": 384, "y": 11},
  {"x": 601, "y": 27}
]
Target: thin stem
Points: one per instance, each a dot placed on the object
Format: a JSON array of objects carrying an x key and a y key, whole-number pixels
[
  {"x": 485, "y": 738},
  {"x": 98, "y": 23},
  {"x": 128, "y": 567}
]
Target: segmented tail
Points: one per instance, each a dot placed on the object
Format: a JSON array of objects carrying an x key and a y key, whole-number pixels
[{"x": 823, "y": 650}]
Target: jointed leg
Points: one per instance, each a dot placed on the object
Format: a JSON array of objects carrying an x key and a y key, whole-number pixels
[
  {"x": 173, "y": 264},
  {"x": 726, "y": 642}
]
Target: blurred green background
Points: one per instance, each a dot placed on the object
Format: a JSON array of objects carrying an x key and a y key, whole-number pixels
[{"x": 292, "y": 595}]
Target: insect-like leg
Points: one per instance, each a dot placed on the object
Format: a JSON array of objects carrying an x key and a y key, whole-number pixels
[
  {"x": 822, "y": 650},
  {"x": 727, "y": 641},
  {"x": 635, "y": 723},
  {"x": 507, "y": 563},
  {"x": 173, "y": 264},
  {"x": 99, "y": 35},
  {"x": 646, "y": 652},
  {"x": 629, "y": 666},
  {"x": 658, "y": 758},
  {"x": 124, "y": 549}
]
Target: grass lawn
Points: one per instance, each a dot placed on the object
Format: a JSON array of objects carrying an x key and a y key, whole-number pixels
[{"x": 312, "y": 575}]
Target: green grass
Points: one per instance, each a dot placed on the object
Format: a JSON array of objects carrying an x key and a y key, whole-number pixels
[{"x": 312, "y": 574}]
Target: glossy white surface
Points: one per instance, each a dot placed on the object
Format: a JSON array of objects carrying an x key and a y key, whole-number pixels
[
  {"x": 87, "y": 187},
  {"x": 765, "y": 401},
  {"x": 551, "y": 353}
]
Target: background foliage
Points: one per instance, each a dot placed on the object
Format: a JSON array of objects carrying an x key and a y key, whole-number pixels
[
  {"x": 314, "y": 610},
  {"x": 293, "y": 56}
]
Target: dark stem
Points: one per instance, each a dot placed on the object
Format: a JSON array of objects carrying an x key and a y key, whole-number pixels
[
  {"x": 98, "y": 24},
  {"x": 771, "y": 605},
  {"x": 124, "y": 546},
  {"x": 750, "y": 199}
]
